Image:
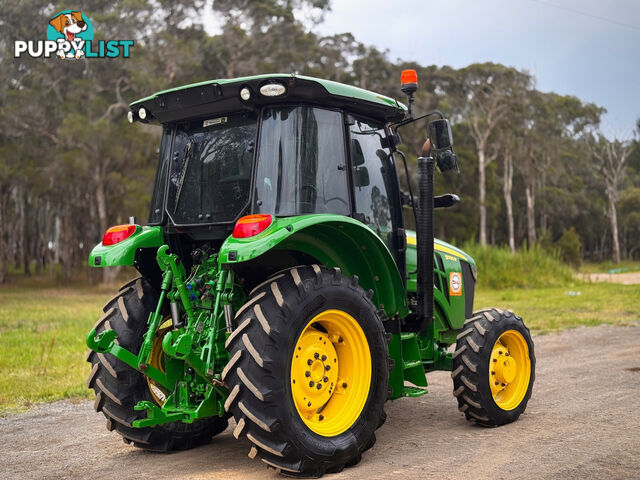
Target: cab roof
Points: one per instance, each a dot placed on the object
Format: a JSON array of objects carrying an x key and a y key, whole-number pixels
[{"x": 223, "y": 96}]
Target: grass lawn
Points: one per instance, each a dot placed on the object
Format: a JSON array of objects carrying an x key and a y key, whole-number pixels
[
  {"x": 42, "y": 346},
  {"x": 43, "y": 329},
  {"x": 557, "y": 308}
]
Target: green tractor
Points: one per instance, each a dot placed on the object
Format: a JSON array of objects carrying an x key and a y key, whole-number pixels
[{"x": 279, "y": 286}]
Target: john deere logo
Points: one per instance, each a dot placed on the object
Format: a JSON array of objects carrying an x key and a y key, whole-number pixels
[{"x": 70, "y": 36}]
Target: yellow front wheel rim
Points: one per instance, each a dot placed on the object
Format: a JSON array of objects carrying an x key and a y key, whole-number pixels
[
  {"x": 509, "y": 370},
  {"x": 331, "y": 372}
]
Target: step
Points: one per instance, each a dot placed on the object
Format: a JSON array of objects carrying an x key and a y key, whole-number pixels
[
  {"x": 412, "y": 364},
  {"x": 408, "y": 391}
]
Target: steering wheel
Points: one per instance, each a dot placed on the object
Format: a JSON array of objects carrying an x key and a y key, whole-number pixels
[{"x": 337, "y": 199}]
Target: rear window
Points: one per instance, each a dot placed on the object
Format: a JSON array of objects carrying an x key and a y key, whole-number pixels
[
  {"x": 210, "y": 172},
  {"x": 301, "y": 162}
]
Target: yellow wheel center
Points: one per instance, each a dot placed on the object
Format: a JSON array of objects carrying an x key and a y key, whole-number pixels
[
  {"x": 331, "y": 372},
  {"x": 315, "y": 364},
  {"x": 506, "y": 369},
  {"x": 317, "y": 370},
  {"x": 509, "y": 370}
]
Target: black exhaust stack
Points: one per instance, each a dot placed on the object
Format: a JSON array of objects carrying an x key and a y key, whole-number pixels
[
  {"x": 425, "y": 235},
  {"x": 440, "y": 135}
]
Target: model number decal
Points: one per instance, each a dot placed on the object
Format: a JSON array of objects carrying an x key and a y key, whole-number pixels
[{"x": 214, "y": 121}]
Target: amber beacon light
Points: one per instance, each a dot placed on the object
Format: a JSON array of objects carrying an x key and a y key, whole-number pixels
[
  {"x": 409, "y": 85},
  {"x": 409, "y": 81}
]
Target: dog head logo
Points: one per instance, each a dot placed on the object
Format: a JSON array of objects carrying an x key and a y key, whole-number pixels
[
  {"x": 70, "y": 29},
  {"x": 69, "y": 24}
]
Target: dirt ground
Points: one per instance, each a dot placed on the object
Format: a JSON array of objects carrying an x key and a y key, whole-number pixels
[
  {"x": 582, "y": 422},
  {"x": 630, "y": 278}
]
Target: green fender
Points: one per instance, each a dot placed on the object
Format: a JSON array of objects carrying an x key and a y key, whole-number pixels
[
  {"x": 124, "y": 252},
  {"x": 335, "y": 241}
]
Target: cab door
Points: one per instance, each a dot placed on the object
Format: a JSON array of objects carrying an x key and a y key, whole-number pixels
[{"x": 375, "y": 185}]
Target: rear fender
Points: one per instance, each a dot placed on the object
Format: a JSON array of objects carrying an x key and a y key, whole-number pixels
[
  {"x": 335, "y": 241},
  {"x": 124, "y": 252}
]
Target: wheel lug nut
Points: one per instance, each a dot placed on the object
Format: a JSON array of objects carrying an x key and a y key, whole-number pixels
[
  {"x": 327, "y": 368},
  {"x": 311, "y": 384},
  {"x": 340, "y": 340},
  {"x": 309, "y": 362},
  {"x": 344, "y": 384},
  {"x": 504, "y": 384},
  {"x": 506, "y": 354},
  {"x": 316, "y": 355},
  {"x": 497, "y": 383},
  {"x": 323, "y": 358},
  {"x": 325, "y": 379},
  {"x": 321, "y": 417},
  {"x": 319, "y": 386},
  {"x": 307, "y": 373},
  {"x": 492, "y": 373},
  {"x": 308, "y": 404},
  {"x": 495, "y": 359}
]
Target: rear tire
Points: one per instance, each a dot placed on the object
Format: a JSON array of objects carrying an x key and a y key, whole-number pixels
[
  {"x": 119, "y": 387},
  {"x": 264, "y": 396},
  {"x": 493, "y": 368}
]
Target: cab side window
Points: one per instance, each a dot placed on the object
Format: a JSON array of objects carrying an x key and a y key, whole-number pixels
[{"x": 369, "y": 163}]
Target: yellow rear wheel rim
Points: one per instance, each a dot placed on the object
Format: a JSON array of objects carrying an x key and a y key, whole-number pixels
[
  {"x": 156, "y": 360},
  {"x": 509, "y": 370},
  {"x": 331, "y": 372}
]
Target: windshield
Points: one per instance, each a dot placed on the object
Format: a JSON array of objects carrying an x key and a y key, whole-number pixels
[
  {"x": 301, "y": 162},
  {"x": 210, "y": 169}
]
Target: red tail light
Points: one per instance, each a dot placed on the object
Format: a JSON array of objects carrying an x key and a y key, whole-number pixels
[
  {"x": 117, "y": 234},
  {"x": 251, "y": 225}
]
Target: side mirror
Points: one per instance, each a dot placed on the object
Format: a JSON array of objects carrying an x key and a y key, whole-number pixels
[
  {"x": 361, "y": 177},
  {"x": 440, "y": 134},
  {"x": 447, "y": 160}
]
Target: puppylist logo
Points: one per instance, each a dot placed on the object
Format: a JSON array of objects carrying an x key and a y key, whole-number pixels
[{"x": 70, "y": 36}]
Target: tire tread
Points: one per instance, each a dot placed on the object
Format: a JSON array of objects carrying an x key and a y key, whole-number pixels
[
  {"x": 474, "y": 347},
  {"x": 258, "y": 336}
]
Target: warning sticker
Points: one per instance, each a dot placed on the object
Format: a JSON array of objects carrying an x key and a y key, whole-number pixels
[{"x": 455, "y": 284}]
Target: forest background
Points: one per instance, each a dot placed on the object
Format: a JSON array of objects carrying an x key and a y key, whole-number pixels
[{"x": 536, "y": 171}]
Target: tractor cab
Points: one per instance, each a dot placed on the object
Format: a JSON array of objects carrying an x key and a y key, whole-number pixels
[{"x": 280, "y": 145}]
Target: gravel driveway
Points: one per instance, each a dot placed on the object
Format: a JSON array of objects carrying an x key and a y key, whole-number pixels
[{"x": 583, "y": 421}]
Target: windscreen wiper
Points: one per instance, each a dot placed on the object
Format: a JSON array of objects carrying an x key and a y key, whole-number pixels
[{"x": 183, "y": 173}]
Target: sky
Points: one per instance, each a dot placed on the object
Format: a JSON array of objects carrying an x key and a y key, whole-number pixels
[{"x": 586, "y": 48}]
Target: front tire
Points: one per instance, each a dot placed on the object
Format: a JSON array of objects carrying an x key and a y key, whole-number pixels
[
  {"x": 493, "y": 368},
  {"x": 302, "y": 417},
  {"x": 119, "y": 387}
]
